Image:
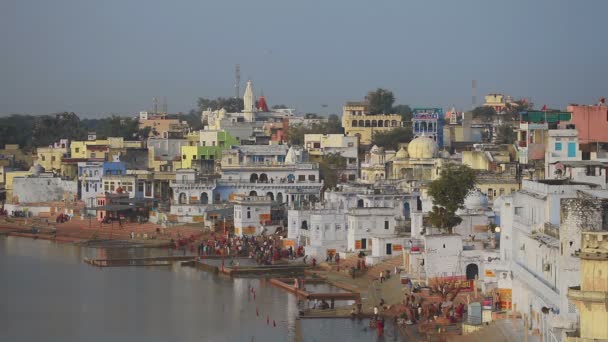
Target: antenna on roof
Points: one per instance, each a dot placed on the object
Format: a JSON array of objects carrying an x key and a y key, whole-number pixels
[
  {"x": 165, "y": 105},
  {"x": 155, "y": 100},
  {"x": 473, "y": 94},
  {"x": 237, "y": 81}
]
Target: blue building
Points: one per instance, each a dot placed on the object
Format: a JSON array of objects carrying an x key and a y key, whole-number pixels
[
  {"x": 428, "y": 122},
  {"x": 90, "y": 178}
]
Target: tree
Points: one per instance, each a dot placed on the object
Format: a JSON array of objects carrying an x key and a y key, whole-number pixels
[
  {"x": 380, "y": 101},
  {"x": 449, "y": 192},
  {"x": 484, "y": 113},
  {"x": 230, "y": 104},
  {"x": 48, "y": 129},
  {"x": 295, "y": 133},
  {"x": 404, "y": 110},
  {"x": 505, "y": 134},
  {"x": 330, "y": 169},
  {"x": 391, "y": 139}
]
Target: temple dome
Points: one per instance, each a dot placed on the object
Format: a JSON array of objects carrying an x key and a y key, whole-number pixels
[
  {"x": 422, "y": 147},
  {"x": 402, "y": 154},
  {"x": 476, "y": 200}
]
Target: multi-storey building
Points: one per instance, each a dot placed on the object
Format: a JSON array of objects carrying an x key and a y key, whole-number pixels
[
  {"x": 540, "y": 232},
  {"x": 591, "y": 296},
  {"x": 356, "y": 121},
  {"x": 428, "y": 122}
]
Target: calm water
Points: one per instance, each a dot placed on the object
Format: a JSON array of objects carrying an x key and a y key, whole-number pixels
[{"x": 48, "y": 294}]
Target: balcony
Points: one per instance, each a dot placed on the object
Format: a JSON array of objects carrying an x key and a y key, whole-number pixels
[{"x": 576, "y": 294}]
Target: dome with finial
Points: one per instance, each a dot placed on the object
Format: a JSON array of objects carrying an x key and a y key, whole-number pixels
[
  {"x": 402, "y": 154},
  {"x": 476, "y": 200},
  {"x": 422, "y": 147}
]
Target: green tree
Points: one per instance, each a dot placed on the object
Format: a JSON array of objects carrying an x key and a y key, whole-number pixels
[
  {"x": 330, "y": 168},
  {"x": 449, "y": 192},
  {"x": 380, "y": 101},
  {"x": 484, "y": 113},
  {"x": 404, "y": 110},
  {"x": 390, "y": 140},
  {"x": 17, "y": 129},
  {"x": 230, "y": 104},
  {"x": 48, "y": 129},
  {"x": 295, "y": 133},
  {"x": 505, "y": 134}
]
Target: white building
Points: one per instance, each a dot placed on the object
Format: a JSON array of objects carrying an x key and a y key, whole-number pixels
[
  {"x": 352, "y": 219},
  {"x": 564, "y": 159},
  {"x": 320, "y": 145},
  {"x": 252, "y": 215},
  {"x": 540, "y": 231}
]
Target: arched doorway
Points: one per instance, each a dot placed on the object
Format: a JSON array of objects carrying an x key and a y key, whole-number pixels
[
  {"x": 253, "y": 178},
  {"x": 182, "y": 198},
  {"x": 204, "y": 198},
  {"x": 263, "y": 178},
  {"x": 271, "y": 195},
  {"x": 406, "y": 210},
  {"x": 472, "y": 271},
  {"x": 253, "y": 193},
  {"x": 279, "y": 197}
]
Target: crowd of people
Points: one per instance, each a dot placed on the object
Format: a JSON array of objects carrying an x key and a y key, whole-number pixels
[{"x": 265, "y": 249}]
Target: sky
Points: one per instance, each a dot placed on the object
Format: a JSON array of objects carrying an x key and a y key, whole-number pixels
[{"x": 97, "y": 57}]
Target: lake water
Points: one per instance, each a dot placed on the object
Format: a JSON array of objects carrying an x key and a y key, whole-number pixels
[{"x": 48, "y": 294}]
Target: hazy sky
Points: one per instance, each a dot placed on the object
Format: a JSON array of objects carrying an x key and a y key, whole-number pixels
[{"x": 96, "y": 57}]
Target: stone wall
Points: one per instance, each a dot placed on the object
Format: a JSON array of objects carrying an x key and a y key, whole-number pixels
[{"x": 43, "y": 189}]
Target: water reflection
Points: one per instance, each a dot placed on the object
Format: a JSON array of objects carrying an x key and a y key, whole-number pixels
[{"x": 54, "y": 296}]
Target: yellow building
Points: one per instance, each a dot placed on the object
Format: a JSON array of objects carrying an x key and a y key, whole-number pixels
[
  {"x": 591, "y": 297},
  {"x": 357, "y": 122},
  {"x": 496, "y": 101},
  {"x": 50, "y": 157},
  {"x": 102, "y": 148}
]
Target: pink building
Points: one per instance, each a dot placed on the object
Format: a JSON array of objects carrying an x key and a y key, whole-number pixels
[{"x": 591, "y": 122}]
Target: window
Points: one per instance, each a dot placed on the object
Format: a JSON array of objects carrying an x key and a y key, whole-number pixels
[
  {"x": 43, "y": 158},
  {"x": 93, "y": 155},
  {"x": 311, "y": 177},
  {"x": 248, "y": 212},
  {"x": 77, "y": 149},
  {"x": 350, "y": 144},
  {"x": 301, "y": 178},
  {"x": 140, "y": 186},
  {"x": 338, "y": 227},
  {"x": 502, "y": 191},
  {"x": 53, "y": 158},
  {"x": 204, "y": 143},
  {"x": 326, "y": 227},
  {"x": 558, "y": 146},
  {"x": 105, "y": 186},
  {"x": 184, "y": 157},
  {"x": 571, "y": 149},
  {"x": 386, "y": 225},
  {"x": 194, "y": 157}
]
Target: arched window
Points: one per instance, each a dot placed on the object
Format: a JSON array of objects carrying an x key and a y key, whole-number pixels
[
  {"x": 387, "y": 123},
  {"x": 253, "y": 178},
  {"x": 248, "y": 212},
  {"x": 367, "y": 123},
  {"x": 263, "y": 178},
  {"x": 182, "y": 198},
  {"x": 204, "y": 198},
  {"x": 253, "y": 193},
  {"x": 305, "y": 225},
  {"x": 394, "y": 123},
  {"x": 423, "y": 126},
  {"x": 279, "y": 197},
  {"x": 361, "y": 123},
  {"x": 271, "y": 195},
  {"x": 374, "y": 123},
  {"x": 360, "y": 203},
  {"x": 354, "y": 124},
  {"x": 380, "y": 123}
]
